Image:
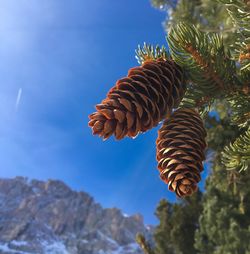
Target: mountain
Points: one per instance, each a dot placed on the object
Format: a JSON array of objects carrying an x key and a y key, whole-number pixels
[{"x": 48, "y": 217}]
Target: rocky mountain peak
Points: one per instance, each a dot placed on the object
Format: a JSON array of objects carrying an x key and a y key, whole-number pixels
[{"x": 49, "y": 217}]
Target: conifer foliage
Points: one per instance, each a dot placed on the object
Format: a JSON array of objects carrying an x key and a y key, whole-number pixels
[
  {"x": 206, "y": 69},
  {"x": 210, "y": 40},
  {"x": 208, "y": 61},
  {"x": 178, "y": 223}
]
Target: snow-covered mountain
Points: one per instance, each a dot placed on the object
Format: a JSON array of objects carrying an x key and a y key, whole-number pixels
[{"x": 48, "y": 217}]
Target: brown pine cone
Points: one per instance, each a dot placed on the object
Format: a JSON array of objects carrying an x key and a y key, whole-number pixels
[
  {"x": 139, "y": 101},
  {"x": 180, "y": 151}
]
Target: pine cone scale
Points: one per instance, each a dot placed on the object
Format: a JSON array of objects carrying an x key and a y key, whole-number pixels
[
  {"x": 119, "y": 115},
  {"x": 139, "y": 101},
  {"x": 180, "y": 151}
]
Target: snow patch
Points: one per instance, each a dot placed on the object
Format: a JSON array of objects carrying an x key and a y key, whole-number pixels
[
  {"x": 132, "y": 248},
  {"x": 5, "y": 248},
  {"x": 19, "y": 243},
  {"x": 84, "y": 241},
  {"x": 54, "y": 248},
  {"x": 108, "y": 239}
]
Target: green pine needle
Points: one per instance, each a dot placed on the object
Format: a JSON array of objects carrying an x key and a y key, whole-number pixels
[
  {"x": 149, "y": 52},
  {"x": 236, "y": 156}
]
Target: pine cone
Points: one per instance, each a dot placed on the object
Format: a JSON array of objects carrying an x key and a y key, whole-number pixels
[
  {"x": 180, "y": 151},
  {"x": 139, "y": 101}
]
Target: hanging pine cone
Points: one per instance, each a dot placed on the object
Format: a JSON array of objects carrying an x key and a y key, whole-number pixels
[
  {"x": 180, "y": 151},
  {"x": 139, "y": 101}
]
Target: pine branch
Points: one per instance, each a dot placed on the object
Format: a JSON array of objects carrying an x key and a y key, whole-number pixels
[
  {"x": 149, "y": 52},
  {"x": 195, "y": 98},
  {"x": 204, "y": 57},
  {"x": 144, "y": 245},
  {"x": 240, "y": 105},
  {"x": 245, "y": 55},
  {"x": 209, "y": 71},
  {"x": 207, "y": 63},
  {"x": 185, "y": 10},
  {"x": 236, "y": 156},
  {"x": 163, "y": 4},
  {"x": 239, "y": 11}
]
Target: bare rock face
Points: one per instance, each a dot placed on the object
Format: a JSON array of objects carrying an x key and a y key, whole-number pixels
[{"x": 48, "y": 217}]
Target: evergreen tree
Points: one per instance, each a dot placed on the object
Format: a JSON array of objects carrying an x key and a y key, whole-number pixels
[
  {"x": 225, "y": 219},
  {"x": 185, "y": 221},
  {"x": 164, "y": 213},
  {"x": 177, "y": 225},
  {"x": 205, "y": 70}
]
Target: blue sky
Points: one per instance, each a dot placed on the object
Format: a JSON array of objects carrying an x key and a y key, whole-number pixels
[{"x": 58, "y": 59}]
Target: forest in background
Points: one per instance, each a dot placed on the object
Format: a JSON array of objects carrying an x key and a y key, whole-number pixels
[{"x": 216, "y": 221}]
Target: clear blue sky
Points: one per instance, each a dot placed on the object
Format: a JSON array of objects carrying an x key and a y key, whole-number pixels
[{"x": 58, "y": 59}]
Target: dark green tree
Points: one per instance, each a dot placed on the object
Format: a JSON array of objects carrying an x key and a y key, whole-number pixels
[
  {"x": 162, "y": 235},
  {"x": 177, "y": 225},
  {"x": 224, "y": 219},
  {"x": 205, "y": 67},
  {"x": 184, "y": 224}
]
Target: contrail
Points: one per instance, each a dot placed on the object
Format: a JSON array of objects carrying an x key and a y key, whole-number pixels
[{"x": 18, "y": 98}]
